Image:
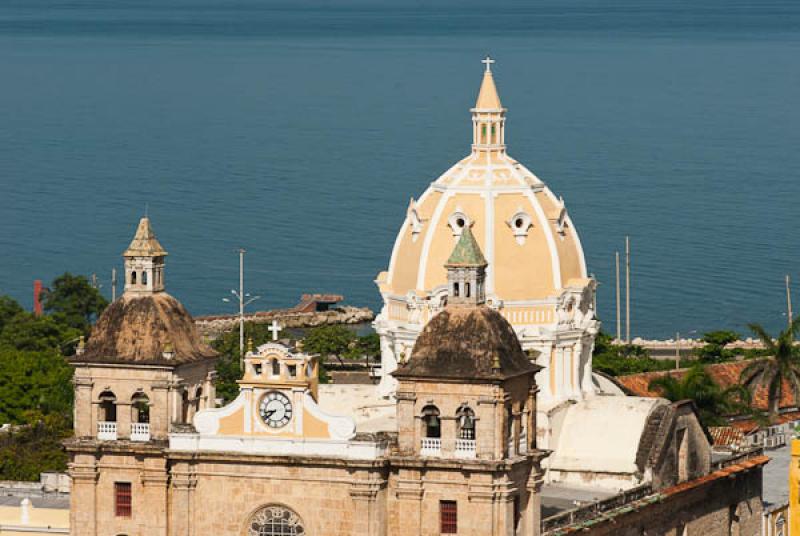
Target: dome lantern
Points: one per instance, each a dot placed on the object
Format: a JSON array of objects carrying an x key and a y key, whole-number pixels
[
  {"x": 144, "y": 262},
  {"x": 488, "y": 115}
]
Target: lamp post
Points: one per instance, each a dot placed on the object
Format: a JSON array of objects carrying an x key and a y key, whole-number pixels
[{"x": 244, "y": 299}]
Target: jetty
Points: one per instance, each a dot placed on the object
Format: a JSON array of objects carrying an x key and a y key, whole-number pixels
[{"x": 311, "y": 311}]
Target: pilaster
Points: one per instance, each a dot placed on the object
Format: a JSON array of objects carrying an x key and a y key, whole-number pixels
[
  {"x": 159, "y": 410},
  {"x": 155, "y": 482},
  {"x": 184, "y": 482},
  {"x": 369, "y": 511},
  {"x": 83, "y": 404},
  {"x": 409, "y": 492},
  {"x": 83, "y": 495}
]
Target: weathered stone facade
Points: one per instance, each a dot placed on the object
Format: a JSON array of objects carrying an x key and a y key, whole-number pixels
[{"x": 152, "y": 456}]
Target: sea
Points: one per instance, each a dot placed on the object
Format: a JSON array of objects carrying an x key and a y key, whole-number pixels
[{"x": 298, "y": 130}]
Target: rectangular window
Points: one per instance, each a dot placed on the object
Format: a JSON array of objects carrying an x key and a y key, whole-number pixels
[
  {"x": 122, "y": 499},
  {"x": 448, "y": 516}
]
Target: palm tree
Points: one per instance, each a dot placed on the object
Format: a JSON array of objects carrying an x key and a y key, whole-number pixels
[
  {"x": 713, "y": 403},
  {"x": 783, "y": 365}
]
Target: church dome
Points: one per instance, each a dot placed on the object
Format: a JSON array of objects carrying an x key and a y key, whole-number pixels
[
  {"x": 467, "y": 343},
  {"x": 150, "y": 329},
  {"x": 531, "y": 246},
  {"x": 146, "y": 325}
]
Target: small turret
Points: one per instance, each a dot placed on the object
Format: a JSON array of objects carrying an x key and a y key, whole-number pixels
[
  {"x": 466, "y": 272},
  {"x": 144, "y": 262}
]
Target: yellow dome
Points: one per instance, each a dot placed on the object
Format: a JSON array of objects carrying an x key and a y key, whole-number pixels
[{"x": 529, "y": 241}]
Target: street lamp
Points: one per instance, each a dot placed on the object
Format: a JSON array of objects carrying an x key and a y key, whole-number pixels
[{"x": 243, "y": 299}]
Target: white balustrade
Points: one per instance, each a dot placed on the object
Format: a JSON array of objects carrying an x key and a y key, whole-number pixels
[
  {"x": 140, "y": 431},
  {"x": 465, "y": 448},
  {"x": 431, "y": 446},
  {"x": 107, "y": 430}
]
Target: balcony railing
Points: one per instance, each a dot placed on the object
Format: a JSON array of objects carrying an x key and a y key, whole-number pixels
[
  {"x": 140, "y": 431},
  {"x": 107, "y": 430},
  {"x": 431, "y": 446},
  {"x": 465, "y": 448}
]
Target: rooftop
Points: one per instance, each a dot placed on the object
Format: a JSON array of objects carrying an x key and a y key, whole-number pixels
[
  {"x": 467, "y": 344},
  {"x": 724, "y": 374},
  {"x": 145, "y": 330}
]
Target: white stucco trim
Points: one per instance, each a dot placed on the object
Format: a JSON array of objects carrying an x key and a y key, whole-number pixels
[
  {"x": 426, "y": 245},
  {"x": 555, "y": 261},
  {"x": 573, "y": 232}
]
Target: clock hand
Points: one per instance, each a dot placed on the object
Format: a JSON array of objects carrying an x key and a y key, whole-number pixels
[{"x": 270, "y": 413}]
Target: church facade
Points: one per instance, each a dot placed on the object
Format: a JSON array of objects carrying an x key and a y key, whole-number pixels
[
  {"x": 151, "y": 456},
  {"x": 459, "y": 437}
]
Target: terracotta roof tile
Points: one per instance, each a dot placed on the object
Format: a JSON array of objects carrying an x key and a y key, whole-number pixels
[
  {"x": 726, "y": 436},
  {"x": 724, "y": 374}
]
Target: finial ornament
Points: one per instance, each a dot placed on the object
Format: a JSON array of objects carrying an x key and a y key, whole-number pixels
[
  {"x": 81, "y": 346},
  {"x": 249, "y": 345},
  {"x": 488, "y": 61}
]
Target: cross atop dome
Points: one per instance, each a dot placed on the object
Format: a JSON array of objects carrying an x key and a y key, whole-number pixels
[{"x": 488, "y": 61}]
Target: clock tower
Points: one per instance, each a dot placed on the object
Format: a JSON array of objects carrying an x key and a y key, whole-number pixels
[{"x": 277, "y": 408}]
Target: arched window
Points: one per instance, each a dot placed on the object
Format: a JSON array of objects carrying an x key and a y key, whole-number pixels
[
  {"x": 140, "y": 408},
  {"x": 276, "y": 367},
  {"x": 431, "y": 422},
  {"x": 185, "y": 407},
  {"x": 133, "y": 277},
  {"x": 108, "y": 407},
  {"x": 466, "y": 423},
  {"x": 275, "y": 520},
  {"x": 466, "y": 290},
  {"x": 455, "y": 290},
  {"x": 144, "y": 278},
  {"x": 198, "y": 396}
]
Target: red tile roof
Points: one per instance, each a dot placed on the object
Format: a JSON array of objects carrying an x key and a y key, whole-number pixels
[
  {"x": 749, "y": 425},
  {"x": 744, "y": 465},
  {"x": 724, "y": 374},
  {"x": 726, "y": 436}
]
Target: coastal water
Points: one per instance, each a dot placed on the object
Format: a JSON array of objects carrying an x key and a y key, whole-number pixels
[{"x": 300, "y": 129}]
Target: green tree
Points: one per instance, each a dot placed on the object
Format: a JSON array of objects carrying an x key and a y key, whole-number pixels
[
  {"x": 74, "y": 301},
  {"x": 714, "y": 350},
  {"x": 27, "y": 331},
  {"x": 782, "y": 367},
  {"x": 9, "y": 308},
  {"x": 37, "y": 382},
  {"x": 620, "y": 359},
  {"x": 27, "y": 451},
  {"x": 364, "y": 347},
  {"x": 327, "y": 341},
  {"x": 713, "y": 402}
]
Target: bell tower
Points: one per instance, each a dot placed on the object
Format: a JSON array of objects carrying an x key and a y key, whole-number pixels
[{"x": 144, "y": 262}]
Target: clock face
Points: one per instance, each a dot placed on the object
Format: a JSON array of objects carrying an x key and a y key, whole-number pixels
[{"x": 275, "y": 409}]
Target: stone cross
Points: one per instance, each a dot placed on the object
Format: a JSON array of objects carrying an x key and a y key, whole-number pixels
[
  {"x": 488, "y": 62},
  {"x": 275, "y": 328}
]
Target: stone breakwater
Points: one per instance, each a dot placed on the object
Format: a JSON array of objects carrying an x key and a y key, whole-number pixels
[
  {"x": 748, "y": 343},
  {"x": 212, "y": 326}
]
